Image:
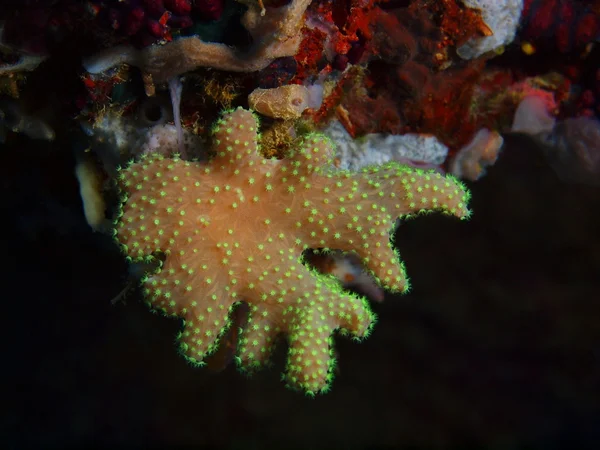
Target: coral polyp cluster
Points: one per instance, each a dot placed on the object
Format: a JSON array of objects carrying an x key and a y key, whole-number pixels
[{"x": 235, "y": 229}]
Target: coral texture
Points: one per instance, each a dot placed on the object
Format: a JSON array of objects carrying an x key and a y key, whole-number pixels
[
  {"x": 414, "y": 82},
  {"x": 234, "y": 230},
  {"x": 471, "y": 161},
  {"x": 502, "y": 17},
  {"x": 275, "y": 35},
  {"x": 283, "y": 102}
]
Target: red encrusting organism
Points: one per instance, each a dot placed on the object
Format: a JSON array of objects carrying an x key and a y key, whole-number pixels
[{"x": 563, "y": 25}]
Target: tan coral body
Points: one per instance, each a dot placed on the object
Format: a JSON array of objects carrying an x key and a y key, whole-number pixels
[
  {"x": 234, "y": 230},
  {"x": 283, "y": 102}
]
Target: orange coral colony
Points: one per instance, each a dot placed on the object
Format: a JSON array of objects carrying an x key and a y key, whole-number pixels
[{"x": 234, "y": 230}]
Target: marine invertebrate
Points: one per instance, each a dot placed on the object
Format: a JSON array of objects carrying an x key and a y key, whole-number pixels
[
  {"x": 277, "y": 139},
  {"x": 90, "y": 190},
  {"x": 275, "y": 35},
  {"x": 502, "y": 18},
  {"x": 235, "y": 229},
  {"x": 414, "y": 81},
  {"x": 379, "y": 148},
  {"x": 533, "y": 115},
  {"x": 284, "y": 102},
  {"x": 221, "y": 89},
  {"x": 471, "y": 161}
]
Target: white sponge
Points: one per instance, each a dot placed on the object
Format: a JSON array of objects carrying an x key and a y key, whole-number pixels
[{"x": 502, "y": 16}]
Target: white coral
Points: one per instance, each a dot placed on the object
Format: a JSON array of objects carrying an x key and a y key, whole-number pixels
[
  {"x": 502, "y": 16},
  {"x": 379, "y": 148}
]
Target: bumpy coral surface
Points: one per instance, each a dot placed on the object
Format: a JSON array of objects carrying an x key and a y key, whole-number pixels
[{"x": 234, "y": 230}]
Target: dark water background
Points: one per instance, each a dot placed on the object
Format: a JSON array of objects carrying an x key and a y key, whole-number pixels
[{"x": 497, "y": 345}]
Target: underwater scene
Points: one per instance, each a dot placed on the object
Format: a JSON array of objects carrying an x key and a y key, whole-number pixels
[{"x": 300, "y": 224}]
